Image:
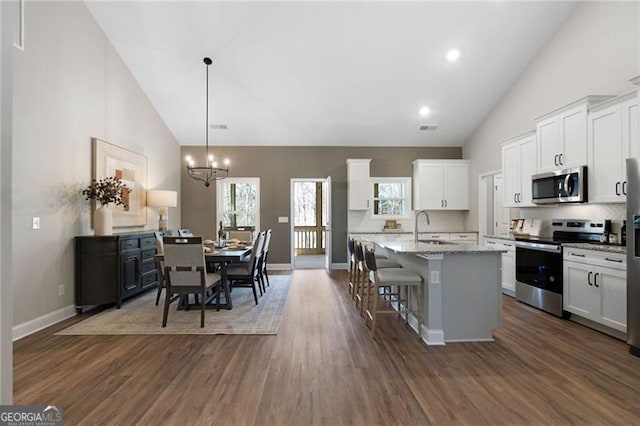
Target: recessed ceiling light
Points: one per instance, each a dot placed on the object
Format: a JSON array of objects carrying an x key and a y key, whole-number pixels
[
  {"x": 453, "y": 55},
  {"x": 424, "y": 111}
]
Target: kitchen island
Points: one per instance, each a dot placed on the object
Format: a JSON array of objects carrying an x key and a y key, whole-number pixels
[{"x": 462, "y": 288}]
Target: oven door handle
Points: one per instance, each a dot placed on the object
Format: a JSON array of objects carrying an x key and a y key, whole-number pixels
[{"x": 538, "y": 246}]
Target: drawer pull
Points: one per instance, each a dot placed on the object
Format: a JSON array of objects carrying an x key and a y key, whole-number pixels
[
  {"x": 508, "y": 245},
  {"x": 613, "y": 260},
  {"x": 577, "y": 255},
  {"x": 490, "y": 242}
]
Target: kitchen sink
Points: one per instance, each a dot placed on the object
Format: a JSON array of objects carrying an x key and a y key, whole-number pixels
[{"x": 435, "y": 242}]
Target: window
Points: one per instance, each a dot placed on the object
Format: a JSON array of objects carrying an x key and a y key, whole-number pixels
[
  {"x": 238, "y": 203},
  {"x": 391, "y": 197}
]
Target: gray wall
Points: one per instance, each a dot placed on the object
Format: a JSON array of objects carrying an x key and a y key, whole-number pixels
[
  {"x": 276, "y": 166},
  {"x": 6, "y": 66},
  {"x": 70, "y": 85},
  {"x": 595, "y": 52}
]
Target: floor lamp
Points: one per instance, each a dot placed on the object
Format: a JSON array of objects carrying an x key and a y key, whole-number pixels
[{"x": 163, "y": 200}]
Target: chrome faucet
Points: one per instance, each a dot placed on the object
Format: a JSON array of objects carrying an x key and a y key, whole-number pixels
[{"x": 418, "y": 213}]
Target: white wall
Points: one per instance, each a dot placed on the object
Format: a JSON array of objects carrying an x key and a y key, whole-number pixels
[
  {"x": 595, "y": 52},
  {"x": 70, "y": 85},
  {"x": 6, "y": 345}
]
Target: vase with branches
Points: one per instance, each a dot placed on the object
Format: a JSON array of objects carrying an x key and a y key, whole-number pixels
[{"x": 106, "y": 191}]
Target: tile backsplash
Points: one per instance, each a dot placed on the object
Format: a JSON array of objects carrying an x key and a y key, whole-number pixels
[
  {"x": 615, "y": 212},
  {"x": 441, "y": 221}
]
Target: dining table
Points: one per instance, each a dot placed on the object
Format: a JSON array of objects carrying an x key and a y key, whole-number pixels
[{"x": 221, "y": 257}]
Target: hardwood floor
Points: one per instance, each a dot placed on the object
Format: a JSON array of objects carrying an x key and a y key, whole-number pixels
[{"x": 324, "y": 368}]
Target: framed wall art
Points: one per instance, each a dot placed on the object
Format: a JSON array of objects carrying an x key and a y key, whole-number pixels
[{"x": 131, "y": 168}]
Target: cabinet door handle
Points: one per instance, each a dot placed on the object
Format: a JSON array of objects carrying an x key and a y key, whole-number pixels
[
  {"x": 577, "y": 255},
  {"x": 555, "y": 159},
  {"x": 617, "y": 188},
  {"x": 595, "y": 279},
  {"x": 589, "y": 277},
  {"x": 515, "y": 197},
  {"x": 519, "y": 197},
  {"x": 445, "y": 203},
  {"x": 367, "y": 203},
  {"x": 613, "y": 260},
  {"x": 560, "y": 159},
  {"x": 624, "y": 188}
]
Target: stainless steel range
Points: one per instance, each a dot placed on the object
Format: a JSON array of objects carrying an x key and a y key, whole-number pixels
[{"x": 539, "y": 261}]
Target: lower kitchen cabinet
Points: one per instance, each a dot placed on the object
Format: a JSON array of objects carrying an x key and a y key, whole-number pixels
[
  {"x": 508, "y": 264},
  {"x": 109, "y": 269},
  {"x": 593, "y": 289}
]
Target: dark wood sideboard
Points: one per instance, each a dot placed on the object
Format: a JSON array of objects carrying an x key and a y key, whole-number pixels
[{"x": 109, "y": 269}]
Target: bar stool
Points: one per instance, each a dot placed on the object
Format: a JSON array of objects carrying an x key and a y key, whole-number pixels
[
  {"x": 361, "y": 278},
  {"x": 353, "y": 266},
  {"x": 392, "y": 277}
]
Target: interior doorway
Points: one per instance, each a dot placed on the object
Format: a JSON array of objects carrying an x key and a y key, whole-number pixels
[
  {"x": 500, "y": 213},
  {"x": 311, "y": 223},
  {"x": 490, "y": 203}
]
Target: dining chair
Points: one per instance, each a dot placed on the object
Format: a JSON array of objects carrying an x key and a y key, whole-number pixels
[
  {"x": 160, "y": 250},
  {"x": 248, "y": 274},
  {"x": 264, "y": 258},
  {"x": 398, "y": 281},
  {"x": 185, "y": 272}
]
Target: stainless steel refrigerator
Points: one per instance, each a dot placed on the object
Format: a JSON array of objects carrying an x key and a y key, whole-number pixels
[{"x": 633, "y": 255}]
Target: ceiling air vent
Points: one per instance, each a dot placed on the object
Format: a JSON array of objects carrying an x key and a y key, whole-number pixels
[
  {"x": 428, "y": 126},
  {"x": 218, "y": 126}
]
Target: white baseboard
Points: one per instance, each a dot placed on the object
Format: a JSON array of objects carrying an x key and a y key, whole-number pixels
[
  {"x": 509, "y": 292},
  {"x": 37, "y": 324},
  {"x": 432, "y": 337}
]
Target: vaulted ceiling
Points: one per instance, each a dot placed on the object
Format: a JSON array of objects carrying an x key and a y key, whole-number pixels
[{"x": 327, "y": 73}]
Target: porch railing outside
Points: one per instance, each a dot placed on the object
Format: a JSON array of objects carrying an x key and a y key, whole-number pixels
[{"x": 309, "y": 239}]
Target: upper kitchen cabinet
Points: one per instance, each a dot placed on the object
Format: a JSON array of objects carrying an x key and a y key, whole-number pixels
[
  {"x": 358, "y": 190},
  {"x": 612, "y": 138},
  {"x": 562, "y": 135},
  {"x": 518, "y": 165},
  {"x": 441, "y": 185}
]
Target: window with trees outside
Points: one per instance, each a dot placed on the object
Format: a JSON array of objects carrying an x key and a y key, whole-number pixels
[
  {"x": 238, "y": 203},
  {"x": 391, "y": 197}
]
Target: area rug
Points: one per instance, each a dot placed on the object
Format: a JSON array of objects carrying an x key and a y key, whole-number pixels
[{"x": 141, "y": 316}]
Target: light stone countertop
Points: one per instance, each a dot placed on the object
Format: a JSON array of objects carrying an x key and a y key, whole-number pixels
[
  {"x": 410, "y": 247},
  {"x": 598, "y": 247},
  {"x": 585, "y": 246}
]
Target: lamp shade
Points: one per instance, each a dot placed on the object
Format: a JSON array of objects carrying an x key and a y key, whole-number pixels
[{"x": 158, "y": 198}]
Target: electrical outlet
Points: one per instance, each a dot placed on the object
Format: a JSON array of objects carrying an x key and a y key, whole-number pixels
[
  {"x": 35, "y": 223},
  {"x": 283, "y": 219},
  {"x": 61, "y": 290}
]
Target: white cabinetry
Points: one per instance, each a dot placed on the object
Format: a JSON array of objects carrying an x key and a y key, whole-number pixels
[
  {"x": 508, "y": 264},
  {"x": 358, "y": 190},
  {"x": 612, "y": 136},
  {"x": 595, "y": 286},
  {"x": 562, "y": 135},
  {"x": 441, "y": 185},
  {"x": 518, "y": 165},
  {"x": 462, "y": 237}
]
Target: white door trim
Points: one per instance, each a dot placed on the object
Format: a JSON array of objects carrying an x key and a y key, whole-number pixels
[{"x": 483, "y": 204}]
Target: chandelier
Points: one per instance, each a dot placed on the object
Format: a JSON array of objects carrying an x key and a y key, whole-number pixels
[{"x": 210, "y": 172}]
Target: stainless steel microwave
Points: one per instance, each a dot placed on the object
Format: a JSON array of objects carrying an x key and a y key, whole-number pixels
[{"x": 561, "y": 186}]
